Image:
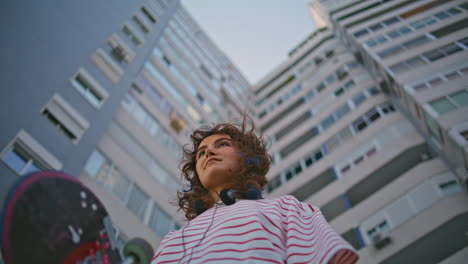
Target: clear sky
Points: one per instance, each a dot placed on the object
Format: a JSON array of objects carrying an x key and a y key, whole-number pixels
[{"x": 255, "y": 34}]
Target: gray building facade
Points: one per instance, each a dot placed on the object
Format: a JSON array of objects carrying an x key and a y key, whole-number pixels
[{"x": 66, "y": 66}]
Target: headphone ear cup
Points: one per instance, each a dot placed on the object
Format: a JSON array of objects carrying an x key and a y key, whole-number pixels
[
  {"x": 198, "y": 206},
  {"x": 227, "y": 196},
  {"x": 253, "y": 193}
]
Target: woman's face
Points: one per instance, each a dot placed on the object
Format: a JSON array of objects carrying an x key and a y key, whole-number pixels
[{"x": 218, "y": 161}]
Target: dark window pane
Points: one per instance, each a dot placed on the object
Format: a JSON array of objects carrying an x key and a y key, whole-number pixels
[
  {"x": 327, "y": 122},
  {"x": 390, "y": 51},
  {"x": 464, "y": 42},
  {"x": 80, "y": 80},
  {"x": 343, "y": 110},
  {"x": 416, "y": 61},
  {"x": 373, "y": 91},
  {"x": 359, "y": 98},
  {"x": 371, "y": 43},
  {"x": 400, "y": 67},
  {"x": 404, "y": 30},
  {"x": 416, "y": 41},
  {"x": 454, "y": 11},
  {"x": 442, "y": 15},
  {"x": 372, "y": 115},
  {"x": 393, "y": 34},
  {"x": 298, "y": 169},
  {"x": 376, "y": 27},
  {"x": 320, "y": 87},
  {"x": 381, "y": 39},
  {"x": 420, "y": 87},
  {"x": 429, "y": 20},
  {"x": 450, "y": 49},
  {"x": 345, "y": 168},
  {"x": 318, "y": 155},
  {"x": 418, "y": 24},
  {"x": 148, "y": 15},
  {"x": 433, "y": 55},
  {"x": 339, "y": 92},
  {"x": 452, "y": 75},
  {"x": 361, "y": 33},
  {"x": 391, "y": 21},
  {"x": 358, "y": 160},
  {"x": 436, "y": 81},
  {"x": 359, "y": 125}
]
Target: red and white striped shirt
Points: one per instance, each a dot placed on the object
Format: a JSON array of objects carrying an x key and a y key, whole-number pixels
[{"x": 277, "y": 230}]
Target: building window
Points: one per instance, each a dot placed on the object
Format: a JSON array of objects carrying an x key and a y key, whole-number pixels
[
  {"x": 120, "y": 52},
  {"x": 450, "y": 187},
  {"x": 361, "y": 33},
  {"x": 339, "y": 92},
  {"x": 25, "y": 155},
  {"x": 141, "y": 24},
  {"x": 130, "y": 33},
  {"x": 450, "y": 102},
  {"x": 89, "y": 88},
  {"x": 342, "y": 111},
  {"x": 327, "y": 122},
  {"x": 464, "y": 134},
  {"x": 359, "y": 98},
  {"x": 149, "y": 123},
  {"x": 330, "y": 79},
  {"x": 320, "y": 87},
  {"x": 148, "y": 15},
  {"x": 274, "y": 183},
  {"x": 420, "y": 40},
  {"x": 109, "y": 66},
  {"x": 160, "y": 222},
  {"x": 379, "y": 228},
  {"x": 21, "y": 161},
  {"x": 138, "y": 201},
  {"x": 65, "y": 118},
  {"x": 429, "y": 56}
]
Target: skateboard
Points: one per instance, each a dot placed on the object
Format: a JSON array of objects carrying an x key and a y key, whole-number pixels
[{"x": 51, "y": 217}]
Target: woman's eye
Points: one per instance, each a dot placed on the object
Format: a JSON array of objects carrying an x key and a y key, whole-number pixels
[
  {"x": 225, "y": 143},
  {"x": 201, "y": 153}
]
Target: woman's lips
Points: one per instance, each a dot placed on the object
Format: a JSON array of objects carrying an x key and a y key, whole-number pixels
[{"x": 210, "y": 161}]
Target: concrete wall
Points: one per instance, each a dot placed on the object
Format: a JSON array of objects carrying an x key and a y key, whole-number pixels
[{"x": 43, "y": 44}]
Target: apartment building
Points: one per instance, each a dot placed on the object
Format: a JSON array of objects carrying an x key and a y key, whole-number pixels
[
  {"x": 65, "y": 70},
  {"x": 112, "y": 99},
  {"x": 185, "y": 82},
  {"x": 367, "y": 121}
]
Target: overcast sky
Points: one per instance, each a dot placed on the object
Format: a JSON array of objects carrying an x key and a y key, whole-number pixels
[{"x": 255, "y": 34}]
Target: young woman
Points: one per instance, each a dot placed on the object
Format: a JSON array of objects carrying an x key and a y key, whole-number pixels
[{"x": 229, "y": 221}]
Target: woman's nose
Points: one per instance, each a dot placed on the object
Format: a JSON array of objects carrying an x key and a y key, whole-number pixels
[{"x": 209, "y": 152}]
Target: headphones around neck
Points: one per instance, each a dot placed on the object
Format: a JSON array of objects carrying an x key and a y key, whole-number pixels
[{"x": 228, "y": 197}]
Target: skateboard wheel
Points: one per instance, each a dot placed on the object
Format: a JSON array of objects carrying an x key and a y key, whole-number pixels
[{"x": 140, "y": 249}]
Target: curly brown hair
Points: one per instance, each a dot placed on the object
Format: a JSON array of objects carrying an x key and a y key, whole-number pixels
[{"x": 252, "y": 172}]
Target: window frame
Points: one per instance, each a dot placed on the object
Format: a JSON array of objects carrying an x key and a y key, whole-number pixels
[
  {"x": 93, "y": 87},
  {"x": 132, "y": 35},
  {"x": 67, "y": 117},
  {"x": 33, "y": 151}
]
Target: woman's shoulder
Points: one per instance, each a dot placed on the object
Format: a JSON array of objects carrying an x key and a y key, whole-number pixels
[
  {"x": 285, "y": 199},
  {"x": 289, "y": 202}
]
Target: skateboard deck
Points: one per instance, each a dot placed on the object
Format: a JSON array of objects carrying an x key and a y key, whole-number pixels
[{"x": 51, "y": 217}]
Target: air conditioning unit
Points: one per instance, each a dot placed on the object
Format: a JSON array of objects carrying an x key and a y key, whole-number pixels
[
  {"x": 119, "y": 53},
  {"x": 381, "y": 240}
]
